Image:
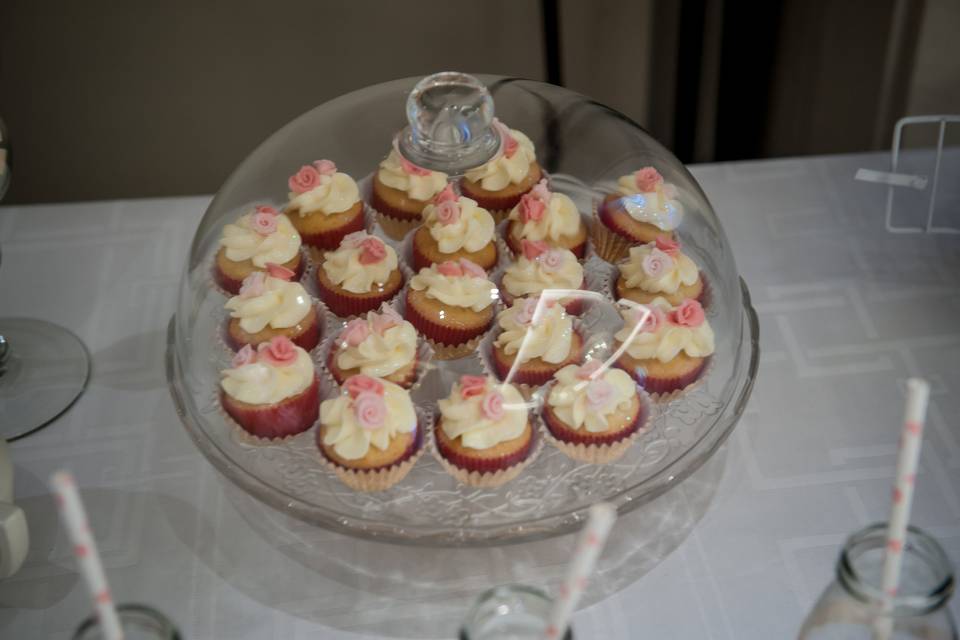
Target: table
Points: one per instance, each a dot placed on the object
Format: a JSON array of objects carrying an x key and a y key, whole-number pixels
[{"x": 847, "y": 313}]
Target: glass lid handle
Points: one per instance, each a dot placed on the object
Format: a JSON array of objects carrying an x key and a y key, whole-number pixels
[{"x": 451, "y": 128}]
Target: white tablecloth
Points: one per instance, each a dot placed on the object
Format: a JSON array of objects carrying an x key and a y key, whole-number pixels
[{"x": 847, "y": 312}]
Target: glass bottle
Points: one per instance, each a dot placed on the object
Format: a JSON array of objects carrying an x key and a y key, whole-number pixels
[
  {"x": 851, "y": 608},
  {"x": 509, "y": 612},
  {"x": 139, "y": 622}
]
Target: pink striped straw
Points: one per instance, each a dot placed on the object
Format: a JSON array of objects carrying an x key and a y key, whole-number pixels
[
  {"x": 918, "y": 393},
  {"x": 594, "y": 536},
  {"x": 85, "y": 549}
]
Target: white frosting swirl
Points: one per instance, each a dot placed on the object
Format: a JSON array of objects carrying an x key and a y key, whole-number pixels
[
  {"x": 334, "y": 194},
  {"x": 464, "y": 418},
  {"x": 243, "y": 243},
  {"x": 561, "y": 219},
  {"x": 344, "y": 268},
  {"x": 350, "y": 440},
  {"x": 281, "y": 305},
  {"x": 681, "y": 271},
  {"x": 500, "y": 171},
  {"x": 525, "y": 277},
  {"x": 381, "y": 355},
  {"x": 263, "y": 383},
  {"x": 464, "y": 291},
  {"x": 668, "y": 340},
  {"x": 421, "y": 188},
  {"x": 548, "y": 336},
  {"x": 471, "y": 232},
  {"x": 661, "y": 209},
  {"x": 570, "y": 402}
]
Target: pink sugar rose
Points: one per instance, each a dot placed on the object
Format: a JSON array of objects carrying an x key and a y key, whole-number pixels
[
  {"x": 657, "y": 263},
  {"x": 472, "y": 386},
  {"x": 510, "y": 145},
  {"x": 599, "y": 393},
  {"x": 647, "y": 179},
  {"x": 448, "y": 212},
  {"x": 527, "y": 307},
  {"x": 370, "y": 410},
  {"x": 262, "y": 208},
  {"x": 279, "y": 352},
  {"x": 669, "y": 246},
  {"x": 264, "y": 223},
  {"x": 355, "y": 332},
  {"x": 552, "y": 260},
  {"x": 354, "y": 240},
  {"x": 372, "y": 250},
  {"x": 325, "y": 167},
  {"x": 245, "y": 356},
  {"x": 472, "y": 269},
  {"x": 355, "y": 385},
  {"x": 654, "y": 320},
  {"x": 447, "y": 195},
  {"x": 306, "y": 179},
  {"x": 533, "y": 248},
  {"x": 253, "y": 285},
  {"x": 531, "y": 208},
  {"x": 688, "y": 314},
  {"x": 541, "y": 192},
  {"x": 587, "y": 370},
  {"x": 279, "y": 271},
  {"x": 412, "y": 169},
  {"x": 387, "y": 319},
  {"x": 492, "y": 406},
  {"x": 450, "y": 269}
]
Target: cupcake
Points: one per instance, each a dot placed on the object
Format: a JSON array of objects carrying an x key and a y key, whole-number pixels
[
  {"x": 401, "y": 191},
  {"x": 452, "y": 305},
  {"x": 592, "y": 413},
  {"x": 260, "y": 236},
  {"x": 382, "y": 345},
  {"x": 454, "y": 228},
  {"x": 271, "y": 392},
  {"x": 667, "y": 347},
  {"x": 324, "y": 205},
  {"x": 537, "y": 340},
  {"x": 540, "y": 267},
  {"x": 360, "y": 275},
  {"x": 369, "y": 433},
  {"x": 270, "y": 305},
  {"x": 498, "y": 185},
  {"x": 483, "y": 432},
  {"x": 658, "y": 269},
  {"x": 643, "y": 209},
  {"x": 547, "y": 216}
]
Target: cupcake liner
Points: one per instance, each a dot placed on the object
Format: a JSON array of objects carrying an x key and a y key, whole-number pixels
[
  {"x": 384, "y": 478},
  {"x": 240, "y": 432},
  {"x": 607, "y": 243},
  {"x": 488, "y": 479},
  {"x": 215, "y": 280},
  {"x": 323, "y": 315},
  {"x": 597, "y": 453},
  {"x": 447, "y": 343},
  {"x": 661, "y": 397}
]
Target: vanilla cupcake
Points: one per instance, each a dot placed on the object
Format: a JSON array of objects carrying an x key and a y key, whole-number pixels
[
  {"x": 259, "y": 237},
  {"x": 270, "y": 305},
  {"x": 363, "y": 273},
  {"x": 547, "y": 216},
  {"x": 659, "y": 269},
  {"x": 454, "y": 228},
  {"x": 537, "y": 339},
  {"x": 541, "y": 267},
  {"x": 381, "y": 345},
  {"x": 324, "y": 205},
  {"x": 401, "y": 191},
  {"x": 498, "y": 184}
]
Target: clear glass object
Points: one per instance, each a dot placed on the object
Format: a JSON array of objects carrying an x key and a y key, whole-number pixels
[
  {"x": 139, "y": 622},
  {"x": 851, "y": 607},
  {"x": 509, "y": 612},
  {"x": 43, "y": 367},
  {"x": 584, "y": 147}
]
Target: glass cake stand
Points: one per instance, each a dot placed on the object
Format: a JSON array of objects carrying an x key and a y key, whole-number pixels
[{"x": 583, "y": 146}]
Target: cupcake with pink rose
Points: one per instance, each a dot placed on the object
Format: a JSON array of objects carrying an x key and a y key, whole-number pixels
[
  {"x": 259, "y": 237},
  {"x": 401, "y": 191},
  {"x": 381, "y": 345},
  {"x": 324, "y": 205},
  {"x": 498, "y": 184},
  {"x": 659, "y": 269},
  {"x": 455, "y": 227},
  {"x": 540, "y": 266},
  {"x": 370, "y": 433},
  {"x": 363, "y": 273},
  {"x": 665, "y": 348},
  {"x": 548, "y": 216},
  {"x": 643, "y": 208}
]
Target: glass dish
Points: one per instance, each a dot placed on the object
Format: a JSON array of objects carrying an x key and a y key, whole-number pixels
[{"x": 584, "y": 147}]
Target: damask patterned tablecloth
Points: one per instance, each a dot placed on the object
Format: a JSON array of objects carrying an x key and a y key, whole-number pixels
[{"x": 743, "y": 548}]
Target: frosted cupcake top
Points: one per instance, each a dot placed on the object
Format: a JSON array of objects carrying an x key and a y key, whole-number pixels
[
  {"x": 399, "y": 173},
  {"x": 459, "y": 283},
  {"x": 276, "y": 370},
  {"x": 369, "y": 412},
  {"x": 541, "y": 267},
  {"x": 319, "y": 187},
  {"x": 482, "y": 412},
  {"x": 535, "y": 328},
  {"x": 262, "y": 235},
  {"x": 647, "y": 198},
  {"x": 659, "y": 267},
  {"x": 359, "y": 262},
  {"x": 544, "y": 215},
  {"x": 379, "y": 345},
  {"x": 458, "y": 223},
  {"x": 586, "y": 396},
  {"x": 666, "y": 331},
  {"x": 269, "y": 299},
  {"x": 512, "y": 163}
]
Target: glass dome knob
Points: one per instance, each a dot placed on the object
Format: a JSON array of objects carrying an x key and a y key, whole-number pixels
[{"x": 451, "y": 124}]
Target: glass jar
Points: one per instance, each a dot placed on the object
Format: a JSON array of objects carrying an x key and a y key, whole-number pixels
[
  {"x": 852, "y": 606},
  {"x": 509, "y": 612},
  {"x": 139, "y": 622}
]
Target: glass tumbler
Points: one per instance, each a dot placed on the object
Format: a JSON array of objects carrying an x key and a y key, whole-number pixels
[
  {"x": 139, "y": 622},
  {"x": 509, "y": 612},
  {"x": 851, "y": 608}
]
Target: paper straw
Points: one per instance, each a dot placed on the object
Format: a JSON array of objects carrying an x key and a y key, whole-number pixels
[
  {"x": 85, "y": 549},
  {"x": 918, "y": 393},
  {"x": 594, "y": 536}
]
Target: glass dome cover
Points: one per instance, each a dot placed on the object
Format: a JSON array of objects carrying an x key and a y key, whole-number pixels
[{"x": 584, "y": 148}]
